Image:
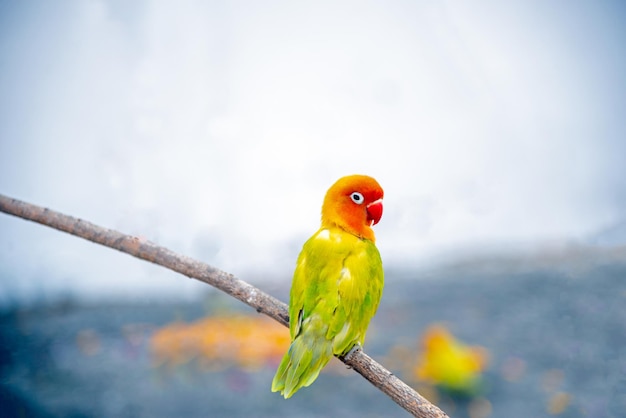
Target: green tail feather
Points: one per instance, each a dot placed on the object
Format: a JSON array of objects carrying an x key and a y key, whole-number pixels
[{"x": 302, "y": 363}]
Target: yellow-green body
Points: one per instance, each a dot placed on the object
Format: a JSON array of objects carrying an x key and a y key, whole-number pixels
[{"x": 336, "y": 288}]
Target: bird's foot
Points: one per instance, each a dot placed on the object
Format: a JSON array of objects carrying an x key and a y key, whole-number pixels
[{"x": 356, "y": 347}]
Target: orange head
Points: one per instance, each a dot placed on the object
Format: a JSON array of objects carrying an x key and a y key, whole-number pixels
[{"x": 354, "y": 204}]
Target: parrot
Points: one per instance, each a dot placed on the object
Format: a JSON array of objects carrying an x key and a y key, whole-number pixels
[{"x": 337, "y": 284}]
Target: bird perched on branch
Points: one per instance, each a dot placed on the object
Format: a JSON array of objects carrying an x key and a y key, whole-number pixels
[{"x": 337, "y": 283}]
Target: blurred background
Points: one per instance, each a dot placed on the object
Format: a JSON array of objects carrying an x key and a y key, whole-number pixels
[{"x": 214, "y": 129}]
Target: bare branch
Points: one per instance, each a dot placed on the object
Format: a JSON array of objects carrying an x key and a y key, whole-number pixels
[{"x": 376, "y": 374}]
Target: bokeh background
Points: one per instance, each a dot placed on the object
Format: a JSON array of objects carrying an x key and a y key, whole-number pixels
[{"x": 214, "y": 128}]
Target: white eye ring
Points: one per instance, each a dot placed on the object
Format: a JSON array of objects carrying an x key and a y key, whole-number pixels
[{"x": 356, "y": 197}]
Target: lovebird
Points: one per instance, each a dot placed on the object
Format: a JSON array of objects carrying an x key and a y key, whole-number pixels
[{"x": 337, "y": 283}]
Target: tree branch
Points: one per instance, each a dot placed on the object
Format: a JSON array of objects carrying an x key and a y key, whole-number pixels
[{"x": 376, "y": 374}]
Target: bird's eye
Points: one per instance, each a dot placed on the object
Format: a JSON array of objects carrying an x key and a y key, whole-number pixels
[{"x": 356, "y": 197}]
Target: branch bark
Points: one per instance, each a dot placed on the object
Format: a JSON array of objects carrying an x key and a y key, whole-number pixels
[{"x": 376, "y": 374}]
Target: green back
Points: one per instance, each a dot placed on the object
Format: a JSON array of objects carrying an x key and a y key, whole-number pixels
[{"x": 338, "y": 282}]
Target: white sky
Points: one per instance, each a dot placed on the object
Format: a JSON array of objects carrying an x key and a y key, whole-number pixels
[{"x": 215, "y": 128}]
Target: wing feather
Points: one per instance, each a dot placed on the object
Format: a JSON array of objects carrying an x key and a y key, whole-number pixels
[{"x": 340, "y": 278}]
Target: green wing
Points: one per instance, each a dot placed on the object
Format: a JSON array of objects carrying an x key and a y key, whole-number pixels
[
  {"x": 340, "y": 278},
  {"x": 335, "y": 292}
]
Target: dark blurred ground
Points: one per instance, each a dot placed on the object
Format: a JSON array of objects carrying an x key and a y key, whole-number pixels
[{"x": 551, "y": 332}]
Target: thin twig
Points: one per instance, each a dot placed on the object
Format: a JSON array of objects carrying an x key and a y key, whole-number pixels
[{"x": 376, "y": 374}]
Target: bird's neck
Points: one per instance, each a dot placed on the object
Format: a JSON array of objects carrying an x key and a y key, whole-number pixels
[{"x": 358, "y": 229}]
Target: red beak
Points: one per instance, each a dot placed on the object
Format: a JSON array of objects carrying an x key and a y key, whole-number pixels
[{"x": 374, "y": 212}]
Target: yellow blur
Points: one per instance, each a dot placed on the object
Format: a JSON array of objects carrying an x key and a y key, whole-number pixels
[
  {"x": 448, "y": 363},
  {"x": 245, "y": 341}
]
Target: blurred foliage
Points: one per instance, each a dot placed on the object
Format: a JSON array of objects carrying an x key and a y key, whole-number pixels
[
  {"x": 444, "y": 369},
  {"x": 449, "y": 364},
  {"x": 216, "y": 342}
]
